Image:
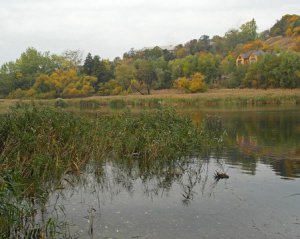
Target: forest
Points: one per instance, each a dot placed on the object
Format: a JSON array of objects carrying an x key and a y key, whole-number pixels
[{"x": 195, "y": 66}]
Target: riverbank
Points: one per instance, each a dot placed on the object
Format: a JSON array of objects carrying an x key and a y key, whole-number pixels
[{"x": 213, "y": 97}]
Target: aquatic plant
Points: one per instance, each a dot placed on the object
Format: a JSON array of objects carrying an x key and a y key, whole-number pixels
[{"x": 39, "y": 146}]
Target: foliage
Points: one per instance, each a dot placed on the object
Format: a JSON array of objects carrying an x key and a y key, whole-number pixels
[
  {"x": 146, "y": 74},
  {"x": 37, "y": 146},
  {"x": 197, "y": 83},
  {"x": 41, "y": 148},
  {"x": 194, "y": 84},
  {"x": 275, "y": 71},
  {"x": 182, "y": 83},
  {"x": 125, "y": 73},
  {"x": 288, "y": 25},
  {"x": 100, "y": 68},
  {"x": 253, "y": 45},
  {"x": 111, "y": 87},
  {"x": 22, "y": 73},
  {"x": 41, "y": 75},
  {"x": 248, "y": 31},
  {"x": 61, "y": 83},
  {"x": 61, "y": 103},
  {"x": 208, "y": 64}
]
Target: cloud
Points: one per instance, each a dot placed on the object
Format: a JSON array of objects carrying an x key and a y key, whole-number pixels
[{"x": 111, "y": 27}]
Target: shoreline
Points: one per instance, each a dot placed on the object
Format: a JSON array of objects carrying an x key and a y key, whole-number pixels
[{"x": 174, "y": 98}]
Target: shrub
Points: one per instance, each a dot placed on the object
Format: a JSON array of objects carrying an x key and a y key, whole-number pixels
[{"x": 194, "y": 84}]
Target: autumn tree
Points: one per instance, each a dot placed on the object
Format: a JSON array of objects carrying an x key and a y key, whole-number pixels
[
  {"x": 288, "y": 25},
  {"x": 146, "y": 74},
  {"x": 124, "y": 74},
  {"x": 22, "y": 73},
  {"x": 192, "y": 85},
  {"x": 63, "y": 83}
]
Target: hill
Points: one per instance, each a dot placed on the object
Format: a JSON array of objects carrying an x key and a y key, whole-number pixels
[{"x": 195, "y": 66}]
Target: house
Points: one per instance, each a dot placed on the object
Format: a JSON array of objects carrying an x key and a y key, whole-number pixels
[{"x": 249, "y": 57}]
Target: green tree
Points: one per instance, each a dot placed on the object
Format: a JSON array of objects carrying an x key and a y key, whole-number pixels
[
  {"x": 163, "y": 74},
  {"x": 248, "y": 31},
  {"x": 146, "y": 74},
  {"x": 22, "y": 73},
  {"x": 88, "y": 65},
  {"x": 287, "y": 25},
  {"x": 124, "y": 74},
  {"x": 209, "y": 65}
]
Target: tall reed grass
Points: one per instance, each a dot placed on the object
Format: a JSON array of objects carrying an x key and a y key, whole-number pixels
[{"x": 38, "y": 146}]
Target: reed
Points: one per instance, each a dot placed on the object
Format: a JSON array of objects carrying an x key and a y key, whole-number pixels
[
  {"x": 171, "y": 98},
  {"x": 40, "y": 145}
]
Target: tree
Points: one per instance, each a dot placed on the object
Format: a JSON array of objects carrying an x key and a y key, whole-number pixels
[
  {"x": 208, "y": 64},
  {"x": 63, "y": 83},
  {"x": 22, "y": 73},
  {"x": 102, "y": 69},
  {"x": 231, "y": 40},
  {"x": 73, "y": 58},
  {"x": 162, "y": 73},
  {"x": 180, "y": 51},
  {"x": 248, "y": 31},
  {"x": 253, "y": 45},
  {"x": 125, "y": 73},
  {"x": 146, "y": 74},
  {"x": 111, "y": 87},
  {"x": 274, "y": 71},
  {"x": 288, "y": 25},
  {"x": 228, "y": 65},
  {"x": 197, "y": 83},
  {"x": 88, "y": 65},
  {"x": 194, "y": 84}
]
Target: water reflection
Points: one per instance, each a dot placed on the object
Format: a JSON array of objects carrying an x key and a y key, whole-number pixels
[
  {"x": 123, "y": 200},
  {"x": 266, "y": 135},
  {"x": 85, "y": 200},
  {"x": 179, "y": 198}
]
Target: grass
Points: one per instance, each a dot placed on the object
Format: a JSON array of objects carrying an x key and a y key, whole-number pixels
[
  {"x": 220, "y": 97},
  {"x": 40, "y": 145}
]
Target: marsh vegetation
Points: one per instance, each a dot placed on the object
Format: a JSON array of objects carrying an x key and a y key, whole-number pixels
[{"x": 43, "y": 149}]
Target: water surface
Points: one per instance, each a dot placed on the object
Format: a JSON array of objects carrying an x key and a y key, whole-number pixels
[{"x": 261, "y": 198}]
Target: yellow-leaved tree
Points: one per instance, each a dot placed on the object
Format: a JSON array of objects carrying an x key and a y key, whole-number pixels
[
  {"x": 182, "y": 83},
  {"x": 197, "y": 83},
  {"x": 64, "y": 83},
  {"x": 194, "y": 84}
]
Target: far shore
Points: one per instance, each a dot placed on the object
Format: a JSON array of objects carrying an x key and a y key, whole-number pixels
[{"x": 174, "y": 98}]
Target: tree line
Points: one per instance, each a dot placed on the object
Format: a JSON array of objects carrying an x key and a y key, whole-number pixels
[{"x": 192, "y": 67}]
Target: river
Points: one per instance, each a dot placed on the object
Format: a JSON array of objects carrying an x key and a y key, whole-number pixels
[{"x": 260, "y": 199}]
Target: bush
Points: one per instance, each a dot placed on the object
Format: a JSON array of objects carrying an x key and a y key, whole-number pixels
[
  {"x": 111, "y": 87},
  {"x": 60, "y": 103},
  {"x": 194, "y": 84}
]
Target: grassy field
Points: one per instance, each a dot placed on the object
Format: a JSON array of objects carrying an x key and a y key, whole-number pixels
[{"x": 214, "y": 97}]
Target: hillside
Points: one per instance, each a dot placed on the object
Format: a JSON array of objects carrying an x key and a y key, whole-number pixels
[
  {"x": 195, "y": 66},
  {"x": 284, "y": 43}
]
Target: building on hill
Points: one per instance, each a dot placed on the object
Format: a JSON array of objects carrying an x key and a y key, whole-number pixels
[{"x": 249, "y": 57}]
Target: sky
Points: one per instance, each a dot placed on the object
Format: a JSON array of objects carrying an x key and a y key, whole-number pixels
[{"x": 111, "y": 27}]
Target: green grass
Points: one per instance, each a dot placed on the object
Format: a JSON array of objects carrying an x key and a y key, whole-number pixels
[
  {"x": 212, "y": 98},
  {"x": 40, "y": 145}
]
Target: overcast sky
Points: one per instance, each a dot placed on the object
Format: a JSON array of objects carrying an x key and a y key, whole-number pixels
[{"x": 111, "y": 27}]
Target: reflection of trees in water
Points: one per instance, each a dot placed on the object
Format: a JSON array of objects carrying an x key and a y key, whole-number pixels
[
  {"x": 248, "y": 160},
  {"x": 106, "y": 180},
  {"x": 272, "y": 138},
  {"x": 189, "y": 175}
]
